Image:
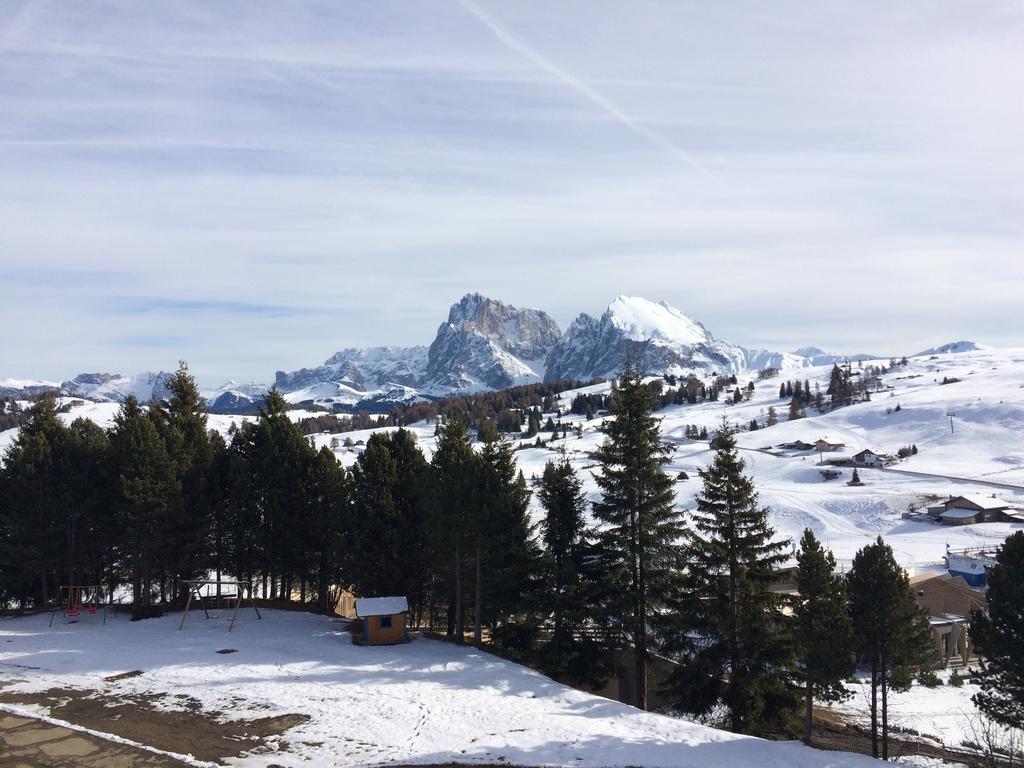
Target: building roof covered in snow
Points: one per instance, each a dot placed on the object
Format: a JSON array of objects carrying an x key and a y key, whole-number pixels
[
  {"x": 381, "y": 606},
  {"x": 981, "y": 502}
]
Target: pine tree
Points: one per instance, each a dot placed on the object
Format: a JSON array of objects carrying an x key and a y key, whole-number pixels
[
  {"x": 146, "y": 488},
  {"x": 330, "y": 491},
  {"x": 563, "y": 530},
  {"x": 1000, "y": 637},
  {"x": 374, "y": 520},
  {"x": 890, "y": 631},
  {"x": 822, "y": 628},
  {"x": 570, "y": 584},
  {"x": 188, "y": 443},
  {"x": 773, "y": 417},
  {"x": 454, "y": 501},
  {"x": 505, "y": 555},
  {"x": 640, "y": 525},
  {"x": 796, "y": 408},
  {"x": 743, "y": 660}
]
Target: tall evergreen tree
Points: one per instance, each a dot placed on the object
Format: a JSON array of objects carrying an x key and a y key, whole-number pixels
[
  {"x": 822, "y": 627},
  {"x": 563, "y": 531},
  {"x": 325, "y": 559},
  {"x": 796, "y": 408},
  {"x": 389, "y": 518},
  {"x": 188, "y": 443},
  {"x": 146, "y": 487},
  {"x": 375, "y": 520},
  {"x": 570, "y": 582},
  {"x": 505, "y": 554},
  {"x": 891, "y": 633},
  {"x": 641, "y": 528},
  {"x": 411, "y": 494},
  {"x": 454, "y": 502},
  {"x": 732, "y": 637},
  {"x": 1000, "y": 637}
]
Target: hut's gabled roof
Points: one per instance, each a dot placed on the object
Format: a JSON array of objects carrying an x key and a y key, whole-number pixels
[{"x": 381, "y": 606}]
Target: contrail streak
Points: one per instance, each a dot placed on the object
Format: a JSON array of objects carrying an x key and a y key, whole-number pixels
[{"x": 647, "y": 134}]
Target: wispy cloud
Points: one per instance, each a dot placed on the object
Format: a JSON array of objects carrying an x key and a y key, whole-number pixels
[
  {"x": 266, "y": 187},
  {"x": 148, "y": 305},
  {"x": 644, "y": 132}
]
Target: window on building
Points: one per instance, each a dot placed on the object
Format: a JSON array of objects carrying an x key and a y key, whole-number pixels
[{"x": 385, "y": 622}]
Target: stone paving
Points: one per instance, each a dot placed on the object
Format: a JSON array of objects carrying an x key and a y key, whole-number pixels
[{"x": 29, "y": 743}]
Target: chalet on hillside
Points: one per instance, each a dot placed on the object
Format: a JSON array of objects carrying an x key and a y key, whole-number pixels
[
  {"x": 965, "y": 510},
  {"x": 385, "y": 620},
  {"x": 826, "y": 446},
  {"x": 867, "y": 458},
  {"x": 797, "y": 445},
  {"x": 949, "y": 602}
]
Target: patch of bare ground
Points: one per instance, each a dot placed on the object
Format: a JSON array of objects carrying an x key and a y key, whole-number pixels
[
  {"x": 834, "y": 731},
  {"x": 189, "y": 731}
]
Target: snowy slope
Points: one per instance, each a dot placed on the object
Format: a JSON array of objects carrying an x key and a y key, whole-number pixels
[
  {"x": 986, "y": 447},
  {"x": 953, "y": 346},
  {"x": 426, "y": 702}
]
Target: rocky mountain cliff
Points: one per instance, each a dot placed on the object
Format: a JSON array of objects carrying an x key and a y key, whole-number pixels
[
  {"x": 659, "y": 336},
  {"x": 487, "y": 344},
  {"x": 361, "y": 369}
]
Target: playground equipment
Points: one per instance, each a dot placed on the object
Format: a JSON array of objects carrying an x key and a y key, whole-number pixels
[
  {"x": 78, "y": 599},
  {"x": 204, "y": 591}
]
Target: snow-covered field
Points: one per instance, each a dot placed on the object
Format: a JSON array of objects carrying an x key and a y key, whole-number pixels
[
  {"x": 944, "y": 714},
  {"x": 425, "y": 702}
]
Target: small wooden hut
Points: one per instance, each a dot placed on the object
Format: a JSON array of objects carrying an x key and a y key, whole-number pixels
[{"x": 385, "y": 620}]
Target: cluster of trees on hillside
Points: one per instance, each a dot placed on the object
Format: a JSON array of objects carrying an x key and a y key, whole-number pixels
[
  {"x": 158, "y": 498},
  {"x": 11, "y": 414},
  {"x": 692, "y": 390},
  {"x": 330, "y": 422},
  {"x": 494, "y": 406}
]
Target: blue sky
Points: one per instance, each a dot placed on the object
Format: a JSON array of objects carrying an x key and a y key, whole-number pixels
[{"x": 251, "y": 186}]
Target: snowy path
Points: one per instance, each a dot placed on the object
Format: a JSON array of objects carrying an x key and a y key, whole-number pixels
[
  {"x": 425, "y": 702},
  {"x": 950, "y": 478}
]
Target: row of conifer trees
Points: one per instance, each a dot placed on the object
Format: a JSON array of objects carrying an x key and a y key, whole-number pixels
[{"x": 158, "y": 498}]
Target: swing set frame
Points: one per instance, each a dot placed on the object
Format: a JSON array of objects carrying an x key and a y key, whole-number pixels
[
  {"x": 195, "y": 587},
  {"x": 71, "y": 605}
]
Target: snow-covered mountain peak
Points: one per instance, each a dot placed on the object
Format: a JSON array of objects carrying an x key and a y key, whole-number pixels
[
  {"x": 809, "y": 352},
  {"x": 953, "y": 347},
  {"x": 642, "y": 320}
]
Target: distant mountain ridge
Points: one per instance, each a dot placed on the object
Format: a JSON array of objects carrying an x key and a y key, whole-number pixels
[
  {"x": 953, "y": 347},
  {"x": 486, "y": 344}
]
